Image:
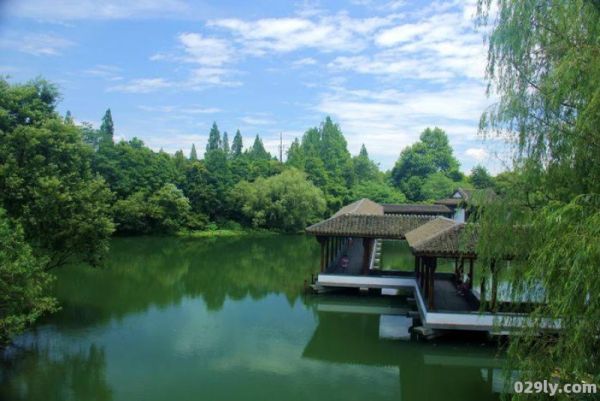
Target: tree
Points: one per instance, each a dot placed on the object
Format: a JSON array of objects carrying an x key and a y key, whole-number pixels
[
  {"x": 165, "y": 211},
  {"x": 226, "y": 143},
  {"x": 377, "y": 191},
  {"x": 258, "y": 151},
  {"x": 107, "y": 128},
  {"x": 23, "y": 282},
  {"x": 69, "y": 118},
  {"x": 237, "y": 145},
  {"x": 193, "y": 154},
  {"x": 480, "y": 178},
  {"x": 295, "y": 155},
  {"x": 28, "y": 104},
  {"x": 168, "y": 209},
  {"x": 46, "y": 182},
  {"x": 544, "y": 63},
  {"x": 214, "y": 138},
  {"x": 364, "y": 168},
  {"x": 432, "y": 154},
  {"x": 286, "y": 202},
  {"x": 437, "y": 186}
]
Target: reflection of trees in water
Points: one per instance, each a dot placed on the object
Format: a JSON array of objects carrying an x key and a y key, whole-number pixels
[
  {"x": 39, "y": 374},
  {"x": 159, "y": 271}
]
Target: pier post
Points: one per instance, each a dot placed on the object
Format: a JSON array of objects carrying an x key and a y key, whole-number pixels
[{"x": 322, "y": 243}]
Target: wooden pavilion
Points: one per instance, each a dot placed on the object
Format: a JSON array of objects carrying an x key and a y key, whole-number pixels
[{"x": 363, "y": 220}]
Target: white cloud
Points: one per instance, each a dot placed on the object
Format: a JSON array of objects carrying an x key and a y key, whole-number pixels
[
  {"x": 253, "y": 120},
  {"x": 437, "y": 46},
  {"x": 69, "y": 10},
  {"x": 304, "y": 61},
  {"x": 142, "y": 85},
  {"x": 205, "y": 50},
  {"x": 104, "y": 71},
  {"x": 324, "y": 33},
  {"x": 478, "y": 154},
  {"x": 181, "y": 109},
  {"x": 37, "y": 44},
  {"x": 389, "y": 120}
]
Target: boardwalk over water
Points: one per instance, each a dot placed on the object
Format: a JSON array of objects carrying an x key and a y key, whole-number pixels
[{"x": 446, "y": 293}]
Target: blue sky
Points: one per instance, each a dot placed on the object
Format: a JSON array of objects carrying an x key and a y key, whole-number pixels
[{"x": 384, "y": 70}]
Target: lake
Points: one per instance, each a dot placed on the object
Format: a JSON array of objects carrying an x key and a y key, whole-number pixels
[{"x": 227, "y": 319}]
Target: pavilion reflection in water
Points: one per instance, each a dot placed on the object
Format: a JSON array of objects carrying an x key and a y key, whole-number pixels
[{"x": 426, "y": 370}]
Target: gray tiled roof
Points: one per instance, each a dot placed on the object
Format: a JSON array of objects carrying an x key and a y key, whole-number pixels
[
  {"x": 416, "y": 209},
  {"x": 443, "y": 237},
  {"x": 372, "y": 226}
]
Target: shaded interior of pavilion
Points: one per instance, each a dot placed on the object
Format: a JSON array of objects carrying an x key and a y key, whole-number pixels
[{"x": 350, "y": 243}]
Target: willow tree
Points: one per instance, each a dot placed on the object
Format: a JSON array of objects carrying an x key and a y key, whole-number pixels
[{"x": 544, "y": 66}]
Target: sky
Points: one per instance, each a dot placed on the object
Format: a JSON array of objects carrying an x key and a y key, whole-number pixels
[{"x": 383, "y": 70}]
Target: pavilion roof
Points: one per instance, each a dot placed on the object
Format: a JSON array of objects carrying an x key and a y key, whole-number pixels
[
  {"x": 370, "y": 226},
  {"x": 449, "y": 201},
  {"x": 443, "y": 237},
  {"x": 416, "y": 209}
]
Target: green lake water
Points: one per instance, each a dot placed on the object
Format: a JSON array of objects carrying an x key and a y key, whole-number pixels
[{"x": 227, "y": 319}]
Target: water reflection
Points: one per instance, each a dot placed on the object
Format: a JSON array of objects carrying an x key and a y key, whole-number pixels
[
  {"x": 173, "y": 319},
  {"x": 441, "y": 370},
  {"x": 39, "y": 374},
  {"x": 155, "y": 271}
]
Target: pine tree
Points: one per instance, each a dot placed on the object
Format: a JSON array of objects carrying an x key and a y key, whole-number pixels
[
  {"x": 237, "y": 145},
  {"x": 193, "y": 154},
  {"x": 258, "y": 150},
  {"x": 107, "y": 129},
  {"x": 363, "y": 151},
  {"x": 69, "y": 118},
  {"x": 225, "y": 143},
  {"x": 295, "y": 155},
  {"x": 214, "y": 138}
]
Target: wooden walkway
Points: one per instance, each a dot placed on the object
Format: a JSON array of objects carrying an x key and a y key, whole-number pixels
[{"x": 447, "y": 297}]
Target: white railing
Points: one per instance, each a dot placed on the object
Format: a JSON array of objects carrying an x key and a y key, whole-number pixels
[{"x": 373, "y": 254}]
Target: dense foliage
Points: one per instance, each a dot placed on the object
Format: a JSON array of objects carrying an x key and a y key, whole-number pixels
[
  {"x": 426, "y": 165},
  {"x": 544, "y": 62},
  {"x": 46, "y": 181},
  {"x": 22, "y": 282},
  {"x": 287, "y": 200}
]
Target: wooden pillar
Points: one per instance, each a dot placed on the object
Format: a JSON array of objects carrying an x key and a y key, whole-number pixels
[
  {"x": 326, "y": 246},
  {"x": 367, "y": 245},
  {"x": 471, "y": 277},
  {"x": 425, "y": 262},
  {"x": 322, "y": 244},
  {"x": 432, "y": 268},
  {"x": 331, "y": 255},
  {"x": 417, "y": 267}
]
